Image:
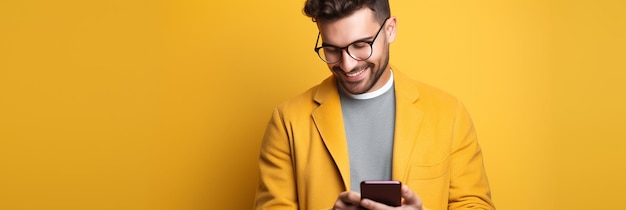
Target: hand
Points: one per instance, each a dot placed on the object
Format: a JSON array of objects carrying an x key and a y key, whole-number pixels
[
  {"x": 347, "y": 201},
  {"x": 411, "y": 201}
]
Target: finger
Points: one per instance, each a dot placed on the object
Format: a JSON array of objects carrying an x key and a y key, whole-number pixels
[
  {"x": 410, "y": 198},
  {"x": 373, "y": 205},
  {"x": 350, "y": 198},
  {"x": 339, "y": 204}
]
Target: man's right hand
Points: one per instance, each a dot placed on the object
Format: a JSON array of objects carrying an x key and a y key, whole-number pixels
[{"x": 347, "y": 201}]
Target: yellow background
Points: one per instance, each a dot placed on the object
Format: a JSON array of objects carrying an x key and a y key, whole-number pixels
[{"x": 162, "y": 104}]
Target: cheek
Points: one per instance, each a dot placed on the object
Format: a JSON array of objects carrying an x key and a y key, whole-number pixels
[
  {"x": 331, "y": 66},
  {"x": 381, "y": 55},
  {"x": 378, "y": 52}
]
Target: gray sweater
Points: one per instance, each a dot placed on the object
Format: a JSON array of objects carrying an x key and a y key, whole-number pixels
[{"x": 369, "y": 125}]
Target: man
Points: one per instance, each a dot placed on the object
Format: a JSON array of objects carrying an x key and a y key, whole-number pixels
[{"x": 368, "y": 122}]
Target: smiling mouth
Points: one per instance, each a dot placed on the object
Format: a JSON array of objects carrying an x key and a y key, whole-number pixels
[{"x": 356, "y": 73}]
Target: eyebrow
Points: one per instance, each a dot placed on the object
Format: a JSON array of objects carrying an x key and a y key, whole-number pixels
[{"x": 366, "y": 39}]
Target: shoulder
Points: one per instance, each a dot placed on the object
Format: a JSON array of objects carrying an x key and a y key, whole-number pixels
[
  {"x": 429, "y": 93},
  {"x": 301, "y": 101},
  {"x": 422, "y": 93},
  {"x": 309, "y": 100}
]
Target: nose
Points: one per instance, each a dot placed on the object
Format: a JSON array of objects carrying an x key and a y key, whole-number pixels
[{"x": 347, "y": 63}]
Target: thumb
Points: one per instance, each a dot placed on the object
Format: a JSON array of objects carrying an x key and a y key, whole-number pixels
[{"x": 410, "y": 198}]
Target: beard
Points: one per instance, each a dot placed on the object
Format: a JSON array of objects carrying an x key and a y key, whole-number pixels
[{"x": 365, "y": 86}]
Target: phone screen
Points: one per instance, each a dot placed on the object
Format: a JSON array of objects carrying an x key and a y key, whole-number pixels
[{"x": 387, "y": 192}]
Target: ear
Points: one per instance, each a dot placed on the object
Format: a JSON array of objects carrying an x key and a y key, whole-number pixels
[{"x": 390, "y": 29}]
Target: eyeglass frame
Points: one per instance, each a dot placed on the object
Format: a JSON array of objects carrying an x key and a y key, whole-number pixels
[{"x": 370, "y": 43}]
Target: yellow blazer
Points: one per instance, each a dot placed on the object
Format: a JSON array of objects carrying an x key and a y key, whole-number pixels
[{"x": 304, "y": 155}]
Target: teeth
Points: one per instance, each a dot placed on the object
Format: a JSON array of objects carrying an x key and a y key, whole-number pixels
[{"x": 355, "y": 73}]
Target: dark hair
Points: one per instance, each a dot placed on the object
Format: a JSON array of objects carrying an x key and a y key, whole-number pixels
[{"x": 330, "y": 10}]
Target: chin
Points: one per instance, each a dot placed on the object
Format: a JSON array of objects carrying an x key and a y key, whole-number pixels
[{"x": 355, "y": 90}]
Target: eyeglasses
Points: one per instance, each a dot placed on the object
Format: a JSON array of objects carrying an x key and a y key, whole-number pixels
[{"x": 359, "y": 50}]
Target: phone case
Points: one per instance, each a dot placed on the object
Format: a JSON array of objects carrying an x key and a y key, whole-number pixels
[{"x": 387, "y": 192}]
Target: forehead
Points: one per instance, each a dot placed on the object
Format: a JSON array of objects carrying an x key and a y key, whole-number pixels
[{"x": 359, "y": 25}]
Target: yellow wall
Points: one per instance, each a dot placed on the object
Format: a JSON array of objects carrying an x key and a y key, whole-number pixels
[{"x": 162, "y": 104}]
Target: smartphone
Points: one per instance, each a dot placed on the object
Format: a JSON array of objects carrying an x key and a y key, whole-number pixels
[{"x": 387, "y": 192}]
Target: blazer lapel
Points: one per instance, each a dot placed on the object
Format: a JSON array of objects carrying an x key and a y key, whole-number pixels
[
  {"x": 328, "y": 119},
  {"x": 408, "y": 121}
]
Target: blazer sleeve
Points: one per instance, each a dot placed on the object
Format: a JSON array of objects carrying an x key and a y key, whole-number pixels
[
  {"x": 469, "y": 187},
  {"x": 276, "y": 189}
]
